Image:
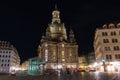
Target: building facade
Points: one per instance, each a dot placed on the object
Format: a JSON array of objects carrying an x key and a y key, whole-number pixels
[
  {"x": 107, "y": 46},
  {"x": 24, "y": 65},
  {"x": 55, "y": 48},
  {"x": 9, "y": 58},
  {"x": 82, "y": 63},
  {"x": 91, "y": 61}
]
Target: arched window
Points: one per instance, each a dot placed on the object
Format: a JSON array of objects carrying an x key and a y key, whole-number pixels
[
  {"x": 118, "y": 25},
  {"x": 105, "y": 26},
  {"x": 111, "y": 26}
]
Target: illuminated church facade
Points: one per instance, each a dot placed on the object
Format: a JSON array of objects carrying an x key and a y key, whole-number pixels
[{"x": 58, "y": 51}]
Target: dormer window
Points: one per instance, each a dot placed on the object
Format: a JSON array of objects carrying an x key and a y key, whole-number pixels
[
  {"x": 111, "y": 26},
  {"x": 105, "y": 26},
  {"x": 118, "y": 25}
]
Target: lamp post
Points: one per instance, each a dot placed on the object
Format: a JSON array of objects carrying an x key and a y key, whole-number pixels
[{"x": 104, "y": 66}]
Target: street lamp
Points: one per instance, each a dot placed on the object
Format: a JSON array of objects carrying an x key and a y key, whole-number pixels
[
  {"x": 103, "y": 60},
  {"x": 95, "y": 65}
]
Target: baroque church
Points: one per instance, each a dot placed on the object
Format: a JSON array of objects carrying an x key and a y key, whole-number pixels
[{"x": 58, "y": 51}]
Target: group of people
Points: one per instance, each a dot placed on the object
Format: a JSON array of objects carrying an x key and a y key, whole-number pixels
[
  {"x": 70, "y": 70},
  {"x": 66, "y": 71}
]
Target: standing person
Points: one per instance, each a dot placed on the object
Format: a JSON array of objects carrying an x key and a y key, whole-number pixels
[
  {"x": 68, "y": 70},
  {"x": 72, "y": 70},
  {"x": 59, "y": 72},
  {"x": 115, "y": 77}
]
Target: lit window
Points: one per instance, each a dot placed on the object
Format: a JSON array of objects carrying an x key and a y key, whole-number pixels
[
  {"x": 63, "y": 54},
  {"x": 107, "y": 48},
  {"x": 63, "y": 59},
  {"x": 46, "y": 55},
  {"x": 63, "y": 45},
  {"x": 59, "y": 28},
  {"x": 46, "y": 45},
  {"x": 70, "y": 54}
]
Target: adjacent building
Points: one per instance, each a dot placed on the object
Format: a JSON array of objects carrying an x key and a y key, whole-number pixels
[
  {"x": 107, "y": 46},
  {"x": 82, "y": 63},
  {"x": 9, "y": 58},
  {"x": 58, "y": 50},
  {"x": 24, "y": 65},
  {"x": 91, "y": 61}
]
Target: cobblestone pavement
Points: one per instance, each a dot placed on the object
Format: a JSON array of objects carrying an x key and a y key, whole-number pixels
[{"x": 64, "y": 76}]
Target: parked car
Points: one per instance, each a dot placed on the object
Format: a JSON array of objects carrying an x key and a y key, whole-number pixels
[
  {"x": 80, "y": 70},
  {"x": 92, "y": 70}
]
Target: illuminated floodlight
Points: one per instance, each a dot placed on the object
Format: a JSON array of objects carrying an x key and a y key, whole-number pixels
[
  {"x": 59, "y": 66},
  {"x": 103, "y": 60},
  {"x": 95, "y": 64}
]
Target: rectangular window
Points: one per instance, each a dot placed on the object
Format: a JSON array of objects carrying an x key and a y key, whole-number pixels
[
  {"x": 116, "y": 56},
  {"x": 107, "y": 48},
  {"x": 119, "y": 56},
  {"x": 108, "y": 57},
  {"x": 113, "y": 33},
  {"x": 116, "y": 48},
  {"x": 46, "y": 55},
  {"x": 105, "y": 40},
  {"x": 104, "y": 34}
]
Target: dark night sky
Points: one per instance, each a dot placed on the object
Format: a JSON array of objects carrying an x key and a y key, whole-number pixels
[{"x": 23, "y": 22}]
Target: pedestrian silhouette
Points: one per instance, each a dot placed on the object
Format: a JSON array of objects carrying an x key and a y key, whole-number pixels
[{"x": 115, "y": 77}]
